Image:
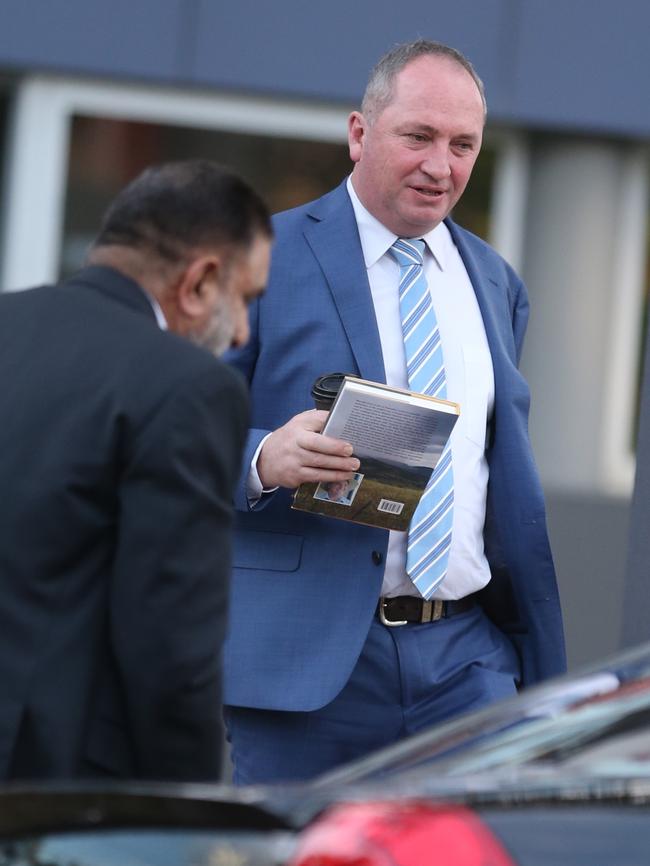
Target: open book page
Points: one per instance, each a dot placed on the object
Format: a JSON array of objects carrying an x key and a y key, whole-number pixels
[{"x": 398, "y": 436}]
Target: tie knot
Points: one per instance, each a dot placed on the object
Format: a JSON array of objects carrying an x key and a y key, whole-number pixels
[{"x": 408, "y": 252}]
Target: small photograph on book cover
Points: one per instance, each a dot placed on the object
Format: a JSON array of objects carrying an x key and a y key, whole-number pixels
[
  {"x": 340, "y": 492},
  {"x": 383, "y": 494}
]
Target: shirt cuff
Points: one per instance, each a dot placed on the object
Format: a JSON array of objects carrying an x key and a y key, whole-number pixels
[{"x": 254, "y": 488}]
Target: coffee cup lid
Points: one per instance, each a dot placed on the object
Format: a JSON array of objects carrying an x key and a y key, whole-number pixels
[{"x": 327, "y": 386}]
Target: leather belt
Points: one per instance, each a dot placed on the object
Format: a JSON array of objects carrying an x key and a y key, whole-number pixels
[{"x": 403, "y": 609}]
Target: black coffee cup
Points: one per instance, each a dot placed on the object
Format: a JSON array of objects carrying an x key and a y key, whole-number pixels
[{"x": 325, "y": 389}]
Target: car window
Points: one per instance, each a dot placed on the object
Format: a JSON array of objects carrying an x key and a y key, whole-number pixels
[{"x": 150, "y": 848}]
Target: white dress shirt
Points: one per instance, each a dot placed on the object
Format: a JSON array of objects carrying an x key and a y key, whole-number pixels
[{"x": 470, "y": 382}]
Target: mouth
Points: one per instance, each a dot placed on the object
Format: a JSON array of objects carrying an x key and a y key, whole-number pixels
[{"x": 429, "y": 191}]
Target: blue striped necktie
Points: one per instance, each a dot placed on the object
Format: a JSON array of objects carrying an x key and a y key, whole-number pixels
[{"x": 429, "y": 536}]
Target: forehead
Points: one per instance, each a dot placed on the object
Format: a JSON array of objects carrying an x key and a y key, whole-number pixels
[{"x": 436, "y": 82}]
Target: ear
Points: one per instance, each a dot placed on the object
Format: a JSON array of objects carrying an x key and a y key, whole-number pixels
[
  {"x": 356, "y": 132},
  {"x": 196, "y": 286}
]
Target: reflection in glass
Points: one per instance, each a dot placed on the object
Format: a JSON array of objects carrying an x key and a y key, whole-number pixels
[
  {"x": 473, "y": 210},
  {"x": 105, "y": 154}
]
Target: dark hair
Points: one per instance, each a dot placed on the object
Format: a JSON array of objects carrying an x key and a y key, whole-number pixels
[
  {"x": 176, "y": 206},
  {"x": 379, "y": 90}
]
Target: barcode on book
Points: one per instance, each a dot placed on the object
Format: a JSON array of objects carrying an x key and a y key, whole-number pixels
[{"x": 390, "y": 506}]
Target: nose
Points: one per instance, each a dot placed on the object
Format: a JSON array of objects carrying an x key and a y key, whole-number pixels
[{"x": 436, "y": 161}]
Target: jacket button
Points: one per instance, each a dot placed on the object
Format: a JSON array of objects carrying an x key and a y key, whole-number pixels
[{"x": 377, "y": 557}]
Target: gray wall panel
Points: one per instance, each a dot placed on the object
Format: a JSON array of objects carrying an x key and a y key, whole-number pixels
[
  {"x": 588, "y": 537},
  {"x": 584, "y": 64},
  {"x": 636, "y": 610},
  {"x": 140, "y": 38},
  {"x": 326, "y": 49}
]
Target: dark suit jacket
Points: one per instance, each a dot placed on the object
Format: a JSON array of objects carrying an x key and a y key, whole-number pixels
[
  {"x": 119, "y": 448},
  {"x": 304, "y": 586}
]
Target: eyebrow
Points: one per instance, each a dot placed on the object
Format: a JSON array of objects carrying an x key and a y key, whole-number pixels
[{"x": 432, "y": 130}]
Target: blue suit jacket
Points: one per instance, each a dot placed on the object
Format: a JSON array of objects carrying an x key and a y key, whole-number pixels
[{"x": 305, "y": 587}]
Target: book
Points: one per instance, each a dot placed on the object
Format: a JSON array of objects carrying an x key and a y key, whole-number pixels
[{"x": 398, "y": 437}]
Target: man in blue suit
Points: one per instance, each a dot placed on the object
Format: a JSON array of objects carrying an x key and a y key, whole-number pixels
[{"x": 333, "y": 649}]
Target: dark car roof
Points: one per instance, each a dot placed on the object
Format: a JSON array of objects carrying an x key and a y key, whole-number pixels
[{"x": 41, "y": 807}]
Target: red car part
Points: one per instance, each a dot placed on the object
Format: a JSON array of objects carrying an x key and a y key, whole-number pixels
[{"x": 399, "y": 834}]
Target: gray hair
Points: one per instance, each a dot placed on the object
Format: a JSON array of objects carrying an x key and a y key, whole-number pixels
[{"x": 381, "y": 84}]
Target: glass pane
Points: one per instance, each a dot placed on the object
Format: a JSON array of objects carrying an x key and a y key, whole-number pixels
[
  {"x": 105, "y": 154},
  {"x": 473, "y": 210}
]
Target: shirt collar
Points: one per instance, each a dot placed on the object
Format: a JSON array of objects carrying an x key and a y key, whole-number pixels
[
  {"x": 376, "y": 239},
  {"x": 157, "y": 309}
]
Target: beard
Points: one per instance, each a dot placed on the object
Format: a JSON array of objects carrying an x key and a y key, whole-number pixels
[{"x": 217, "y": 336}]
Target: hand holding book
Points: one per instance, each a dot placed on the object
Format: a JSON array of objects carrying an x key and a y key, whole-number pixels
[{"x": 398, "y": 436}]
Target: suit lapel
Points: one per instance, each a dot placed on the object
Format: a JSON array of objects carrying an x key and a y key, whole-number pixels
[
  {"x": 490, "y": 294},
  {"x": 333, "y": 236}
]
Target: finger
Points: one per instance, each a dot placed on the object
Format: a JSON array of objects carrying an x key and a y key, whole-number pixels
[
  {"x": 318, "y": 460},
  {"x": 323, "y": 475},
  {"x": 321, "y": 444}
]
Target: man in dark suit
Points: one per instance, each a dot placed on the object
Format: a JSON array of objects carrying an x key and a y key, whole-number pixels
[
  {"x": 121, "y": 437},
  {"x": 345, "y": 637}
]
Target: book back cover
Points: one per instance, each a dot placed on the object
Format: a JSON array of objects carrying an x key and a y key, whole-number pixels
[{"x": 398, "y": 437}]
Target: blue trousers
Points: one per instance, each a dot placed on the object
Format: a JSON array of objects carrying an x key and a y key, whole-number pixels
[{"x": 406, "y": 679}]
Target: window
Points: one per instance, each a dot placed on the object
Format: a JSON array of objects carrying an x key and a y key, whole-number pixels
[
  {"x": 105, "y": 154},
  {"x": 473, "y": 211}
]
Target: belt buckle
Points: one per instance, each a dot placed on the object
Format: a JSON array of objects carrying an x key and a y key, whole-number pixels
[
  {"x": 389, "y": 622},
  {"x": 438, "y": 609}
]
